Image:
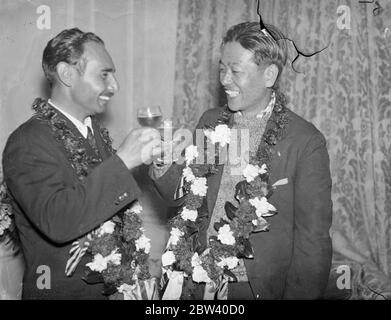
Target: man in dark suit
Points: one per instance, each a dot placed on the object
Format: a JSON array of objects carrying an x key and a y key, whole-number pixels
[
  {"x": 292, "y": 260},
  {"x": 61, "y": 171}
]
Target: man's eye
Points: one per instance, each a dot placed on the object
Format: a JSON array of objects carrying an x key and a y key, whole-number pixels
[
  {"x": 104, "y": 75},
  {"x": 235, "y": 71}
]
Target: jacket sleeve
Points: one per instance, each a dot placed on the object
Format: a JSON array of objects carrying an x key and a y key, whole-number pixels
[
  {"x": 311, "y": 260},
  {"x": 35, "y": 175}
]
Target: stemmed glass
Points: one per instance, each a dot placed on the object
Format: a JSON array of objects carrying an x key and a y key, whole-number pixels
[{"x": 150, "y": 116}]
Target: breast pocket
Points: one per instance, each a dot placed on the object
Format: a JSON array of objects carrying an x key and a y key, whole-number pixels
[{"x": 283, "y": 192}]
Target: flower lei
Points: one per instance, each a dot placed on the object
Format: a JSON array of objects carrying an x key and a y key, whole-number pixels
[
  {"x": 120, "y": 248},
  {"x": 210, "y": 263},
  {"x": 7, "y": 223}
]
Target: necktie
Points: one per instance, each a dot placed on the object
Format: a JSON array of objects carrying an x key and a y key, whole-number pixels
[{"x": 92, "y": 141}]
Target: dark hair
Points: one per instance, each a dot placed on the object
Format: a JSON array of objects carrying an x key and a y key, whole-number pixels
[
  {"x": 269, "y": 48},
  {"x": 67, "y": 46}
]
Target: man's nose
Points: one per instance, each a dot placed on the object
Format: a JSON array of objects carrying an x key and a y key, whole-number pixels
[
  {"x": 113, "y": 85},
  {"x": 226, "y": 78}
]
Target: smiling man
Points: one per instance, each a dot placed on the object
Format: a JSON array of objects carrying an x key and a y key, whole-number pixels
[
  {"x": 292, "y": 260},
  {"x": 62, "y": 174}
]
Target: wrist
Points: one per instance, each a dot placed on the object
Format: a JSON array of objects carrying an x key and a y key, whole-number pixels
[{"x": 128, "y": 163}]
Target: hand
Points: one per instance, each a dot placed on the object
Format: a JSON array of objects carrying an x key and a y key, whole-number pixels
[
  {"x": 170, "y": 154},
  {"x": 140, "y": 146}
]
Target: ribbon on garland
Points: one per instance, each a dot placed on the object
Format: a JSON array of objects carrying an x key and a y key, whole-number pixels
[
  {"x": 141, "y": 290},
  {"x": 175, "y": 280},
  {"x": 217, "y": 290}
]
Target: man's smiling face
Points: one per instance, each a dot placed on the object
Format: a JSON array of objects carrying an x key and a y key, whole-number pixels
[
  {"x": 243, "y": 80},
  {"x": 95, "y": 85}
]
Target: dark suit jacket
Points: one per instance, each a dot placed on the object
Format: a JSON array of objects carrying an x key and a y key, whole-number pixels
[
  {"x": 53, "y": 207},
  {"x": 292, "y": 260}
]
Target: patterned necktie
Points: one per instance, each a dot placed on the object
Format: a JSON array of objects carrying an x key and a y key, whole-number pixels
[{"x": 92, "y": 141}]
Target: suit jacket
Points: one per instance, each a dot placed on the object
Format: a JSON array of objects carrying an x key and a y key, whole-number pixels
[
  {"x": 53, "y": 207},
  {"x": 292, "y": 260}
]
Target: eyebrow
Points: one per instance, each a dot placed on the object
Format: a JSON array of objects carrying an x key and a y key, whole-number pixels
[
  {"x": 236, "y": 64},
  {"x": 108, "y": 70}
]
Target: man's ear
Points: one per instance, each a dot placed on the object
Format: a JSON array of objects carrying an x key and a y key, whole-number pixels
[
  {"x": 271, "y": 74},
  {"x": 65, "y": 73}
]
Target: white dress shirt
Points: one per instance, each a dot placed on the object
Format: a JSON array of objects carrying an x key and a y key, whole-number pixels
[{"x": 82, "y": 127}]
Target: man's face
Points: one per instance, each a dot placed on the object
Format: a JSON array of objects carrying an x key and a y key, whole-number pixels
[
  {"x": 92, "y": 88},
  {"x": 243, "y": 80}
]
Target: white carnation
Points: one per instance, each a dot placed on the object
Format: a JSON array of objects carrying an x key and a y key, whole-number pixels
[
  {"x": 175, "y": 235},
  {"x": 191, "y": 153},
  {"x": 127, "y": 291},
  {"x": 263, "y": 169},
  {"x": 250, "y": 172},
  {"x": 168, "y": 258},
  {"x": 114, "y": 257},
  {"x": 199, "y": 187},
  {"x": 99, "y": 263},
  {"x": 189, "y": 214},
  {"x": 107, "y": 227},
  {"x": 230, "y": 262},
  {"x": 221, "y": 134},
  {"x": 262, "y": 207},
  {"x": 136, "y": 208},
  {"x": 225, "y": 235},
  {"x": 195, "y": 260},
  {"x": 143, "y": 243},
  {"x": 188, "y": 174},
  {"x": 200, "y": 274}
]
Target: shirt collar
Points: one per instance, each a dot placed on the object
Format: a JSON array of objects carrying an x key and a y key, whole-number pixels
[
  {"x": 265, "y": 112},
  {"x": 82, "y": 127}
]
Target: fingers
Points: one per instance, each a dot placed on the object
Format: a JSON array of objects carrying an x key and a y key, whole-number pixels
[
  {"x": 148, "y": 134},
  {"x": 150, "y": 150}
]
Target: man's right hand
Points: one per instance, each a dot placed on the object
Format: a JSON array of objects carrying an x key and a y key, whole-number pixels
[{"x": 140, "y": 146}]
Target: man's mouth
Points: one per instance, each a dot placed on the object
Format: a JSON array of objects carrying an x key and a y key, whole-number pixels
[
  {"x": 105, "y": 98},
  {"x": 232, "y": 93}
]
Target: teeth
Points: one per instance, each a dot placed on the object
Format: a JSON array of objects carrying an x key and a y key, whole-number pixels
[
  {"x": 231, "y": 93},
  {"x": 104, "y": 98}
]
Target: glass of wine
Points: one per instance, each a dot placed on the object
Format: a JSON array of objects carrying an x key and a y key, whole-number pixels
[
  {"x": 152, "y": 117},
  {"x": 149, "y": 116}
]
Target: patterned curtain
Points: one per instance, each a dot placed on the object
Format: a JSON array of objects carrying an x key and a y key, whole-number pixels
[{"x": 345, "y": 91}]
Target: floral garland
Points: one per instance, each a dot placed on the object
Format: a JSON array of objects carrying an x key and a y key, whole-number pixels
[
  {"x": 7, "y": 223},
  {"x": 211, "y": 264},
  {"x": 120, "y": 248}
]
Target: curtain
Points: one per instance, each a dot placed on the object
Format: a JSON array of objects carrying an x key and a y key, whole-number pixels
[{"x": 345, "y": 91}]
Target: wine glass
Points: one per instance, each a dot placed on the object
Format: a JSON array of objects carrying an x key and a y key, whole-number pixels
[{"x": 150, "y": 116}]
